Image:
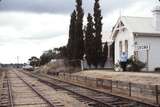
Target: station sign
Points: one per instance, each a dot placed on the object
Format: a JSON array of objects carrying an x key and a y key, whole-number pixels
[{"x": 142, "y": 47}]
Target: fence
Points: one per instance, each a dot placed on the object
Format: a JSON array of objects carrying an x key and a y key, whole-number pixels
[
  {"x": 149, "y": 93},
  {"x": 2, "y": 76}
]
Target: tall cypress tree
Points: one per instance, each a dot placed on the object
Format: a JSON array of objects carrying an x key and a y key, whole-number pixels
[
  {"x": 79, "y": 49},
  {"x": 89, "y": 41},
  {"x": 105, "y": 54},
  {"x": 98, "y": 30},
  {"x": 112, "y": 51},
  {"x": 75, "y": 45},
  {"x": 72, "y": 33}
]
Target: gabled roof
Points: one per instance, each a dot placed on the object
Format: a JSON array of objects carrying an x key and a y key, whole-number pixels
[{"x": 138, "y": 25}]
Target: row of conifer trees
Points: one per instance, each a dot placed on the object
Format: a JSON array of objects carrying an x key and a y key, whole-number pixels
[{"x": 86, "y": 41}]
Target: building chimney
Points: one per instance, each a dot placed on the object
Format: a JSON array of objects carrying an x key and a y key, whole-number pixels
[{"x": 156, "y": 19}]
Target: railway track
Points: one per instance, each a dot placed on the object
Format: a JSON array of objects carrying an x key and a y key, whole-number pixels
[
  {"x": 5, "y": 97},
  {"x": 100, "y": 99},
  {"x": 25, "y": 91},
  {"x": 18, "y": 92},
  {"x": 28, "y": 90}
]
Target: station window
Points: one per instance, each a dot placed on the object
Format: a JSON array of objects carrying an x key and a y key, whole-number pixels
[
  {"x": 120, "y": 47},
  {"x": 126, "y": 46}
]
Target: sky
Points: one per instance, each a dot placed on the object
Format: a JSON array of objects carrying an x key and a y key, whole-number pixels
[{"x": 30, "y": 27}]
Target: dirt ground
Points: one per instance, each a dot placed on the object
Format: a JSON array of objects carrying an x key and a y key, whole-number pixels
[{"x": 134, "y": 77}]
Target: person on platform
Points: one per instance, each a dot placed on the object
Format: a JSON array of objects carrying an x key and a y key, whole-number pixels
[{"x": 123, "y": 60}]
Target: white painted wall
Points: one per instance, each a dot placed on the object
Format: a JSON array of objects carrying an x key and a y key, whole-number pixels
[
  {"x": 122, "y": 36},
  {"x": 156, "y": 14},
  {"x": 154, "y": 53}
]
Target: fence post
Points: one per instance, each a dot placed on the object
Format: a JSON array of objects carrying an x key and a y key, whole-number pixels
[
  {"x": 117, "y": 84},
  {"x": 157, "y": 94},
  {"x": 130, "y": 89},
  {"x": 64, "y": 76},
  {"x": 96, "y": 82},
  {"x": 86, "y": 80},
  {"x": 102, "y": 81},
  {"x": 76, "y": 77},
  {"x": 111, "y": 86}
]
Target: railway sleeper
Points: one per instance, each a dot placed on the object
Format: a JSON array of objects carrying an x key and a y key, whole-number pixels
[
  {"x": 120, "y": 103},
  {"x": 70, "y": 87}
]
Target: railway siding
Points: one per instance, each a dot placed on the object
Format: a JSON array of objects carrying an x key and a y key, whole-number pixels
[
  {"x": 4, "y": 95},
  {"x": 148, "y": 94},
  {"x": 103, "y": 99}
]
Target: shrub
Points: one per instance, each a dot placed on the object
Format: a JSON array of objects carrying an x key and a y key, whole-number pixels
[
  {"x": 117, "y": 67},
  {"x": 133, "y": 64},
  {"x": 157, "y": 69}
]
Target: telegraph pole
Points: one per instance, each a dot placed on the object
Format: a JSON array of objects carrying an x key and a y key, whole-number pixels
[{"x": 17, "y": 59}]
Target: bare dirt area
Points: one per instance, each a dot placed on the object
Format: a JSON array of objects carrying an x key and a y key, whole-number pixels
[
  {"x": 134, "y": 77},
  {"x": 53, "y": 68}
]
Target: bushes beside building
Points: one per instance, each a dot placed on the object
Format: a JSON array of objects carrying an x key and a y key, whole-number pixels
[{"x": 134, "y": 64}]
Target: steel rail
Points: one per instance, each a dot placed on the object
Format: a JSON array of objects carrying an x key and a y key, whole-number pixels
[
  {"x": 42, "y": 79},
  {"x": 52, "y": 81},
  {"x": 77, "y": 93},
  {"x": 84, "y": 96},
  {"x": 36, "y": 91},
  {"x": 10, "y": 91},
  {"x": 137, "y": 101}
]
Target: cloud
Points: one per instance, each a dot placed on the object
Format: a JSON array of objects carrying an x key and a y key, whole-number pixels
[
  {"x": 63, "y": 6},
  {"x": 25, "y": 49},
  {"x": 29, "y": 27},
  {"x": 141, "y": 8},
  {"x": 39, "y": 6},
  {"x": 43, "y": 36},
  {"x": 26, "y": 33},
  {"x": 32, "y": 25}
]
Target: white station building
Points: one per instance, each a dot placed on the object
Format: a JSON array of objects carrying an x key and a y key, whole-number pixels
[{"x": 139, "y": 36}]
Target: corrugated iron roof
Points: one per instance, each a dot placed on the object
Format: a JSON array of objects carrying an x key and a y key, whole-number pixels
[{"x": 140, "y": 24}]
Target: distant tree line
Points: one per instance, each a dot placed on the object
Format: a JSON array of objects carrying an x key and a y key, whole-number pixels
[{"x": 47, "y": 56}]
